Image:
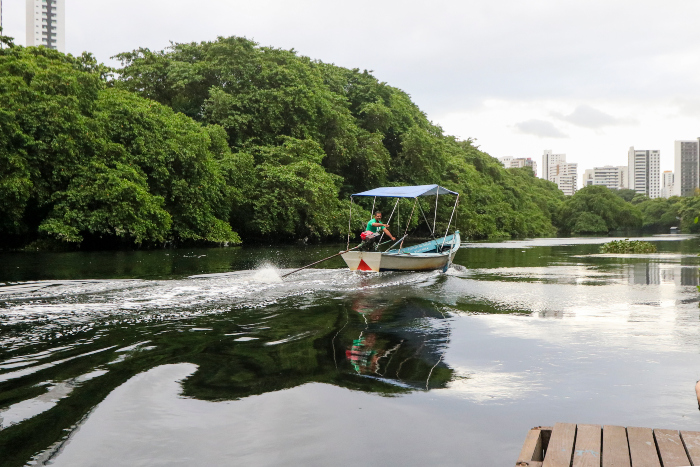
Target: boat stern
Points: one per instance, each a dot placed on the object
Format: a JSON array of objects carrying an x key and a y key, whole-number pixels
[{"x": 362, "y": 260}]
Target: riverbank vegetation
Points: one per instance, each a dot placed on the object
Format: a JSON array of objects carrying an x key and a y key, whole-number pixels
[
  {"x": 599, "y": 210},
  {"x": 227, "y": 141}
]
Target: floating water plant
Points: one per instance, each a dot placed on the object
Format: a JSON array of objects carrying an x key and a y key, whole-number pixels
[{"x": 627, "y": 246}]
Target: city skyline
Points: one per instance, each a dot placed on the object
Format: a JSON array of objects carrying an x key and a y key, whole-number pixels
[{"x": 590, "y": 96}]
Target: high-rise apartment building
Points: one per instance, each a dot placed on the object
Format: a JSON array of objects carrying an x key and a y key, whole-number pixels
[
  {"x": 613, "y": 177},
  {"x": 667, "y": 180},
  {"x": 644, "y": 171},
  {"x": 557, "y": 170},
  {"x": 565, "y": 175},
  {"x": 686, "y": 167},
  {"x": 46, "y": 24},
  {"x": 550, "y": 160},
  {"x": 515, "y": 162}
]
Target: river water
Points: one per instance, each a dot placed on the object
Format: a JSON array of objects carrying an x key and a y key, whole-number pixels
[{"x": 207, "y": 357}]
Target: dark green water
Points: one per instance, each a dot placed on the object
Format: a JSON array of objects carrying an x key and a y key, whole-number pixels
[{"x": 204, "y": 357}]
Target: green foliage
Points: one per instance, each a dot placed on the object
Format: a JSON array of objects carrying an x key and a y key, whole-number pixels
[
  {"x": 294, "y": 196},
  {"x": 370, "y": 134},
  {"x": 626, "y": 194},
  {"x": 596, "y": 209},
  {"x": 175, "y": 154},
  {"x": 627, "y": 246},
  {"x": 639, "y": 198},
  {"x": 109, "y": 201},
  {"x": 78, "y": 159},
  {"x": 6, "y": 41},
  {"x": 589, "y": 223},
  {"x": 660, "y": 214},
  {"x": 688, "y": 209},
  {"x": 188, "y": 141}
]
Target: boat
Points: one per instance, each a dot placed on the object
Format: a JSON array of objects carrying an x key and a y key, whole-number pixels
[{"x": 435, "y": 254}]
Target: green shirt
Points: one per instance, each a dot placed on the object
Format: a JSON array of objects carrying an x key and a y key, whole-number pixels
[{"x": 371, "y": 228}]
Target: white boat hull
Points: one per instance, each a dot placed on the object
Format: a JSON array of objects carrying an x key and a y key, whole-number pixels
[{"x": 399, "y": 261}]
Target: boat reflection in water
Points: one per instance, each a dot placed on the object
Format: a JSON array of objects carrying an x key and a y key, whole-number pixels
[{"x": 405, "y": 353}]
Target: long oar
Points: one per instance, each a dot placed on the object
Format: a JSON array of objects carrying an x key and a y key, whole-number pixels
[{"x": 322, "y": 260}]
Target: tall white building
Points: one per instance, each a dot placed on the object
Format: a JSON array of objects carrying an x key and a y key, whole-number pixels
[
  {"x": 667, "y": 180},
  {"x": 557, "y": 170},
  {"x": 613, "y": 177},
  {"x": 644, "y": 172},
  {"x": 686, "y": 165},
  {"x": 515, "y": 162},
  {"x": 565, "y": 176},
  {"x": 46, "y": 20},
  {"x": 550, "y": 160}
]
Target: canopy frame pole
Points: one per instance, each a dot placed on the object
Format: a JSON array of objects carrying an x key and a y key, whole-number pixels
[
  {"x": 398, "y": 214},
  {"x": 425, "y": 218},
  {"x": 437, "y": 195},
  {"x": 349, "y": 224},
  {"x": 408, "y": 223},
  {"x": 373, "y": 204},
  {"x": 449, "y": 223},
  {"x": 390, "y": 215}
]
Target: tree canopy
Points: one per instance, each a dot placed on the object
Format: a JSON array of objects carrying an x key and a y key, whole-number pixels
[
  {"x": 597, "y": 209},
  {"x": 225, "y": 141},
  {"x": 79, "y": 159},
  {"x": 365, "y": 132}
]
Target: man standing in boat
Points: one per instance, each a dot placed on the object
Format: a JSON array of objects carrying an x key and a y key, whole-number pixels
[{"x": 375, "y": 226}]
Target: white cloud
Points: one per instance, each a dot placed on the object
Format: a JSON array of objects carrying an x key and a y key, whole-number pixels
[
  {"x": 540, "y": 128},
  {"x": 627, "y": 58},
  {"x": 688, "y": 106},
  {"x": 589, "y": 117}
]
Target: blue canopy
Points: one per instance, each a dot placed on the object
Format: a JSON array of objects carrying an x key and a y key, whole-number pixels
[{"x": 407, "y": 191}]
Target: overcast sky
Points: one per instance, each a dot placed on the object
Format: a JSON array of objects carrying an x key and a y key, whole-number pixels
[{"x": 588, "y": 79}]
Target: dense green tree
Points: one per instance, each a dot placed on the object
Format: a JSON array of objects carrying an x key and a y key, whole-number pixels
[
  {"x": 107, "y": 201},
  {"x": 370, "y": 134},
  {"x": 689, "y": 212},
  {"x": 175, "y": 154},
  {"x": 626, "y": 194},
  {"x": 294, "y": 196},
  {"x": 78, "y": 158},
  {"x": 639, "y": 198},
  {"x": 590, "y": 223},
  {"x": 593, "y": 207},
  {"x": 660, "y": 214},
  {"x": 186, "y": 142}
]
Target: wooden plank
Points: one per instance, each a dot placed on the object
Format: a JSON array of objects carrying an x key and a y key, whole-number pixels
[
  {"x": 532, "y": 450},
  {"x": 561, "y": 446},
  {"x": 671, "y": 448},
  {"x": 642, "y": 447},
  {"x": 587, "y": 451},
  {"x": 616, "y": 451},
  {"x": 691, "y": 441}
]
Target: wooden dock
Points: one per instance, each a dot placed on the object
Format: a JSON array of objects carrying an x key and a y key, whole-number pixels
[{"x": 570, "y": 445}]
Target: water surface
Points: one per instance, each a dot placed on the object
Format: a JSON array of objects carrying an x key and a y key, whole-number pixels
[{"x": 206, "y": 357}]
